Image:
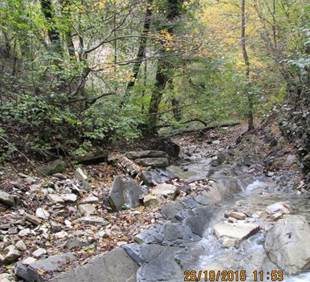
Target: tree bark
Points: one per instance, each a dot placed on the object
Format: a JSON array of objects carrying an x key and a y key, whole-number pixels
[
  {"x": 163, "y": 67},
  {"x": 141, "y": 50},
  {"x": 53, "y": 33},
  {"x": 247, "y": 67}
]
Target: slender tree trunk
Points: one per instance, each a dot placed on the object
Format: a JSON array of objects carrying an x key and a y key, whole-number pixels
[
  {"x": 53, "y": 34},
  {"x": 247, "y": 67},
  {"x": 164, "y": 67},
  {"x": 162, "y": 78},
  {"x": 141, "y": 50},
  {"x": 274, "y": 24}
]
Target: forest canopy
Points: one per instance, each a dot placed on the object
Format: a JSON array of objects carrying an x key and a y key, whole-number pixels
[{"x": 84, "y": 73}]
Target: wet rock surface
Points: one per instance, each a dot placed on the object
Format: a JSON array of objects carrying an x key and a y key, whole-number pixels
[
  {"x": 173, "y": 231},
  {"x": 287, "y": 246}
]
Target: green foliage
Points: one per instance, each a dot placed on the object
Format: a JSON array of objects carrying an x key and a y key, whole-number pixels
[{"x": 52, "y": 93}]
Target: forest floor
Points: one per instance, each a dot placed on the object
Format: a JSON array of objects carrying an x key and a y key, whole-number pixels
[{"x": 55, "y": 214}]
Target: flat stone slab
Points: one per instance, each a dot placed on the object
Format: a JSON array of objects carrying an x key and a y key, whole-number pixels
[
  {"x": 237, "y": 231},
  {"x": 165, "y": 190},
  {"x": 92, "y": 219},
  {"x": 278, "y": 207},
  {"x": 153, "y": 162},
  {"x": 115, "y": 266},
  {"x": 41, "y": 269},
  {"x": 145, "y": 154}
]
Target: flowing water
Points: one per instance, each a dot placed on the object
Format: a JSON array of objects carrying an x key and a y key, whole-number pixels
[{"x": 251, "y": 255}]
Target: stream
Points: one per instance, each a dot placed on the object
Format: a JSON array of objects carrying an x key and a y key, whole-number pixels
[{"x": 258, "y": 192}]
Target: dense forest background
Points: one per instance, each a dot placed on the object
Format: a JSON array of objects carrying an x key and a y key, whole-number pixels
[{"x": 81, "y": 74}]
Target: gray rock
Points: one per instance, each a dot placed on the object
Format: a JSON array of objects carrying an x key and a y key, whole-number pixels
[
  {"x": 165, "y": 190},
  {"x": 143, "y": 253},
  {"x": 29, "y": 260},
  {"x": 153, "y": 235},
  {"x": 6, "y": 199},
  {"x": 153, "y": 162},
  {"x": 93, "y": 220},
  {"x": 24, "y": 232},
  {"x": 162, "y": 268},
  {"x": 281, "y": 207},
  {"x": 190, "y": 203},
  {"x": 33, "y": 219},
  {"x": 11, "y": 256},
  {"x": 287, "y": 244},
  {"x": 42, "y": 213},
  {"x": 74, "y": 243},
  {"x": 87, "y": 209},
  {"x": 173, "y": 211},
  {"x": 199, "y": 221},
  {"x": 237, "y": 231},
  {"x": 6, "y": 277},
  {"x": 34, "y": 272},
  {"x": 39, "y": 253},
  {"x": 146, "y": 154},
  {"x": 125, "y": 191},
  {"x": 71, "y": 198},
  {"x": 237, "y": 215},
  {"x": 55, "y": 198},
  {"x": 151, "y": 201},
  {"x": 177, "y": 234},
  {"x": 21, "y": 246},
  {"x": 82, "y": 177},
  {"x": 90, "y": 200},
  {"x": 203, "y": 198},
  {"x": 182, "y": 173},
  {"x": 115, "y": 266},
  {"x": 156, "y": 176}
]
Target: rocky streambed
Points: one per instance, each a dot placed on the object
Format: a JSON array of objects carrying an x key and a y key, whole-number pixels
[{"x": 216, "y": 209}]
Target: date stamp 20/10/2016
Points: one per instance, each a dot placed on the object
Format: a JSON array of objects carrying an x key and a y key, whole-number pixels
[{"x": 274, "y": 275}]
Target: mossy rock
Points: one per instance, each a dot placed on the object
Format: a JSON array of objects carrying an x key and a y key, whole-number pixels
[{"x": 57, "y": 166}]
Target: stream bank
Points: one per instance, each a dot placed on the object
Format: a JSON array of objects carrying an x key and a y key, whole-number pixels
[{"x": 219, "y": 184}]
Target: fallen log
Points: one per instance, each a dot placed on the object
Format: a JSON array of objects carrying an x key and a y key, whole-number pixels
[{"x": 125, "y": 164}]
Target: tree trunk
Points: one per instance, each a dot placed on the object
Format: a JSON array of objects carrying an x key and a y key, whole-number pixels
[
  {"x": 164, "y": 67},
  {"x": 141, "y": 50},
  {"x": 247, "y": 65},
  {"x": 53, "y": 34}
]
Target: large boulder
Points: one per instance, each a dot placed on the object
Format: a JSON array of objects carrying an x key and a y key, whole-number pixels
[
  {"x": 125, "y": 192},
  {"x": 114, "y": 266},
  {"x": 288, "y": 244}
]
